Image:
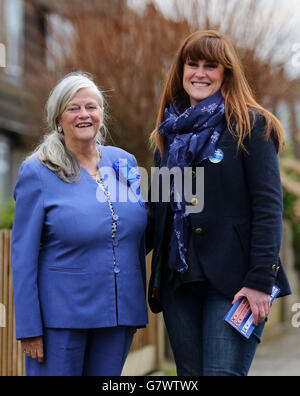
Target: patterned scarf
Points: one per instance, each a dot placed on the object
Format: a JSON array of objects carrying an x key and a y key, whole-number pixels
[{"x": 191, "y": 135}]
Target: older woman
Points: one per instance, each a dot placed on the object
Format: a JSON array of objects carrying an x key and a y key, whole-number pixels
[
  {"x": 77, "y": 250},
  {"x": 203, "y": 261}
]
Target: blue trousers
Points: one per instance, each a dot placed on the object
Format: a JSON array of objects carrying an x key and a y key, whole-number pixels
[
  {"x": 92, "y": 352},
  {"x": 202, "y": 342}
]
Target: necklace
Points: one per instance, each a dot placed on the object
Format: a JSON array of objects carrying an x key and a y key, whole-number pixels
[{"x": 97, "y": 174}]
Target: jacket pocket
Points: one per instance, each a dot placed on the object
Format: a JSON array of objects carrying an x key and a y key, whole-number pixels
[{"x": 67, "y": 270}]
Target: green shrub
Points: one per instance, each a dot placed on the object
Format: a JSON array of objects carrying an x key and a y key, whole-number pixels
[
  {"x": 289, "y": 201},
  {"x": 296, "y": 243},
  {"x": 7, "y": 211}
]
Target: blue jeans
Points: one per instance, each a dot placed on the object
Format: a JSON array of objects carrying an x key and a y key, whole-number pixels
[{"x": 203, "y": 343}]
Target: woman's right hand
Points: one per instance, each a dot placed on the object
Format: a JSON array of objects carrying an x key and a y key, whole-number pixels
[
  {"x": 33, "y": 347},
  {"x": 259, "y": 303}
]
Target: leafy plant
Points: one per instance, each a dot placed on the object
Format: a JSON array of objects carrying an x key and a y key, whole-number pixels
[
  {"x": 7, "y": 211},
  {"x": 296, "y": 243},
  {"x": 289, "y": 202}
]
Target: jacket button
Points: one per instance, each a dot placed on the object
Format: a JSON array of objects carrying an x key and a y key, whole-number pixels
[
  {"x": 198, "y": 230},
  {"x": 194, "y": 201},
  {"x": 277, "y": 269},
  {"x": 274, "y": 267}
]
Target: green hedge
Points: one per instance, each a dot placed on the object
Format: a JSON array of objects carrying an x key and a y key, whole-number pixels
[
  {"x": 7, "y": 211},
  {"x": 289, "y": 201}
]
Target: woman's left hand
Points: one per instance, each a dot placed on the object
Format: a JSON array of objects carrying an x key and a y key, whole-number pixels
[
  {"x": 33, "y": 347},
  {"x": 259, "y": 303}
]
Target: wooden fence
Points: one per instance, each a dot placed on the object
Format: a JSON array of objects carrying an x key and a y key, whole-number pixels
[
  {"x": 144, "y": 355},
  {"x": 11, "y": 357}
]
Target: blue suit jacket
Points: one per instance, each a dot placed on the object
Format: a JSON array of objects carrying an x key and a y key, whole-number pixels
[
  {"x": 241, "y": 223},
  {"x": 62, "y": 256}
]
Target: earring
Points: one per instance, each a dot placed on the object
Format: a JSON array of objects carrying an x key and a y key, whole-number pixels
[{"x": 59, "y": 129}]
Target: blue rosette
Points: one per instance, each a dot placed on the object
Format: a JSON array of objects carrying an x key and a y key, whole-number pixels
[{"x": 129, "y": 175}]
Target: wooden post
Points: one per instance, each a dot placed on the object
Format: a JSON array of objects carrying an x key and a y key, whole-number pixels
[{"x": 11, "y": 356}]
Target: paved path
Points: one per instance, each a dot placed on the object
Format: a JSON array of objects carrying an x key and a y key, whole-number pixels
[{"x": 279, "y": 357}]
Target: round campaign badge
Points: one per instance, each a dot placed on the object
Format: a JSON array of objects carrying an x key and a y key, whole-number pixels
[{"x": 217, "y": 157}]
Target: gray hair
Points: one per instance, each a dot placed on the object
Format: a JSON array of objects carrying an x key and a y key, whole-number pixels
[{"x": 52, "y": 152}]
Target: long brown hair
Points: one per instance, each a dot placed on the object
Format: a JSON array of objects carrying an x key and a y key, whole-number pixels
[{"x": 212, "y": 46}]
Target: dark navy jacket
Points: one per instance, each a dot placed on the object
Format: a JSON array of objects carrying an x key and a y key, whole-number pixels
[{"x": 236, "y": 238}]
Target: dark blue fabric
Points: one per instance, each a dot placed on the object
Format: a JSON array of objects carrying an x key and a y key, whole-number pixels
[
  {"x": 241, "y": 221},
  {"x": 191, "y": 136}
]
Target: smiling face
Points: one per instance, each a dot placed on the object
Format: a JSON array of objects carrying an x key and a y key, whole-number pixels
[
  {"x": 202, "y": 79},
  {"x": 82, "y": 117}
]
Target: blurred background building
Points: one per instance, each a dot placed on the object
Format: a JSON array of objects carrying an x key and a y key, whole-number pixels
[
  {"x": 128, "y": 50},
  {"x": 128, "y": 46}
]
